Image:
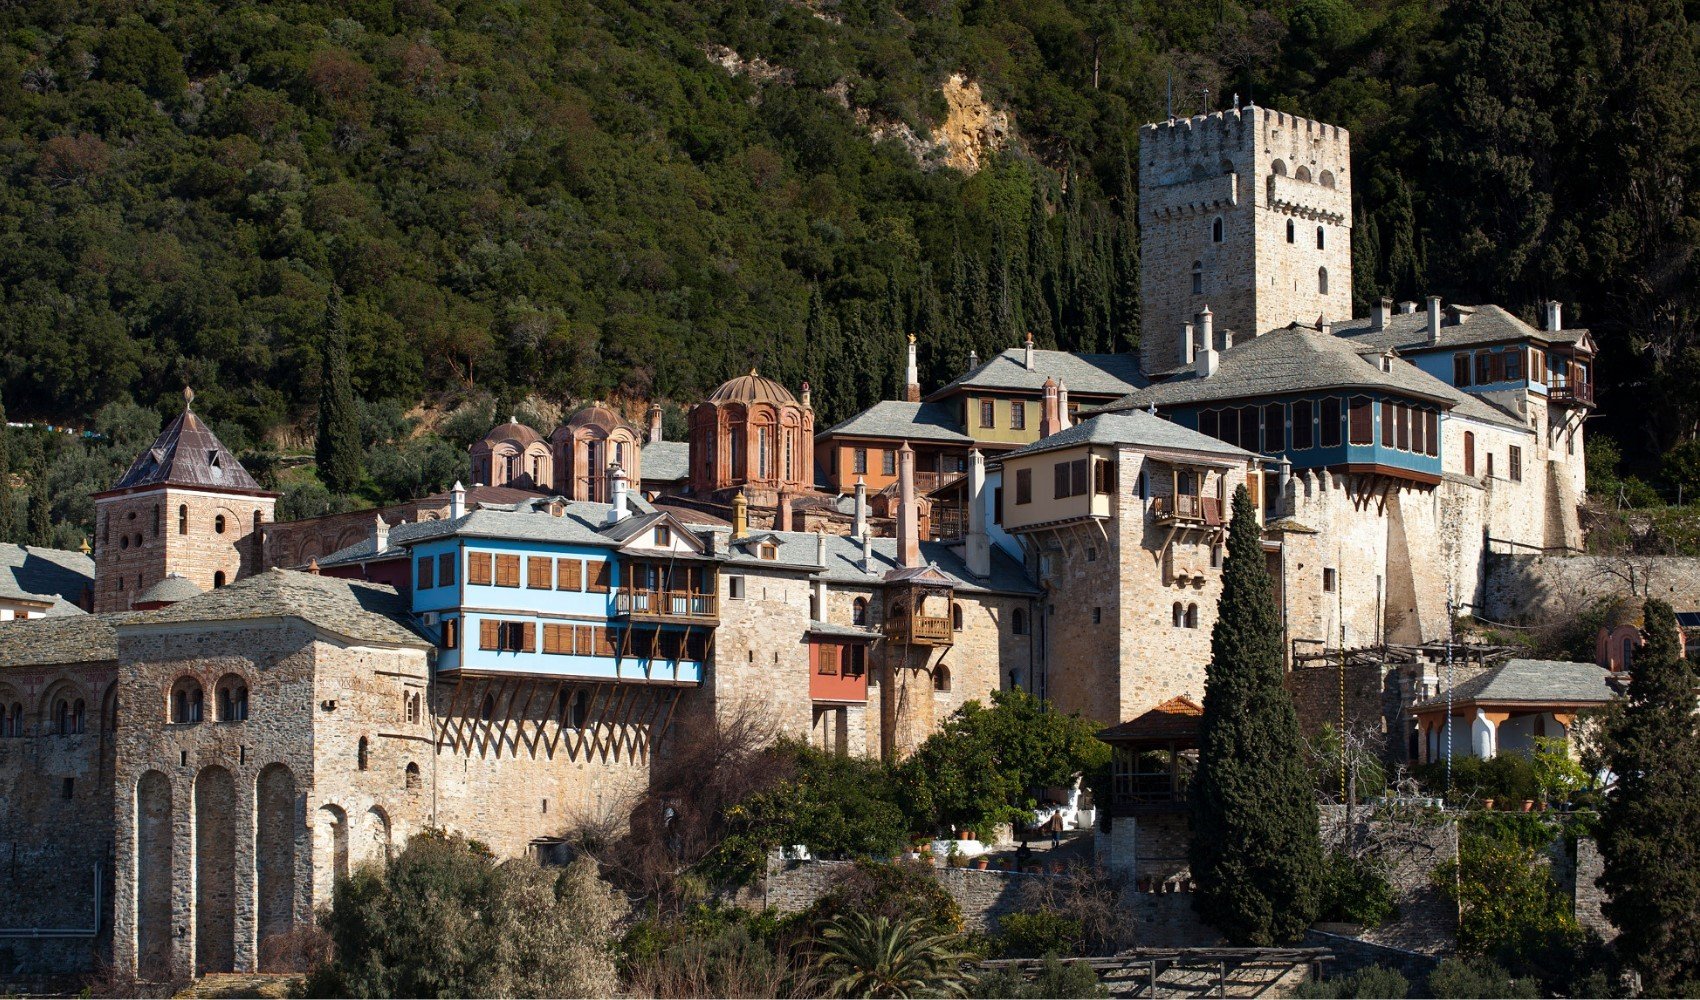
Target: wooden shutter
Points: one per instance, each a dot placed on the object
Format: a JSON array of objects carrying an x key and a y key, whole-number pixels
[
  {"x": 599, "y": 573},
  {"x": 487, "y": 633},
  {"x": 507, "y": 570},
  {"x": 528, "y": 637},
  {"x": 540, "y": 572},
  {"x": 1387, "y": 422},
  {"x": 1461, "y": 370},
  {"x": 478, "y": 569},
  {"x": 1059, "y": 480},
  {"x": 446, "y": 570},
  {"x": 569, "y": 574},
  {"x": 427, "y": 573}
]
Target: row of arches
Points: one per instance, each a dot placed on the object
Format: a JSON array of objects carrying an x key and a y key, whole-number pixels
[
  {"x": 187, "y": 704},
  {"x": 1302, "y": 173},
  {"x": 63, "y": 710}
]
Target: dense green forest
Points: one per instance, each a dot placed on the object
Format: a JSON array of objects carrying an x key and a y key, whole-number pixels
[{"x": 572, "y": 199}]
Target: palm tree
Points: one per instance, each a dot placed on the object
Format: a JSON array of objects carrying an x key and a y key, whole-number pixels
[{"x": 863, "y": 956}]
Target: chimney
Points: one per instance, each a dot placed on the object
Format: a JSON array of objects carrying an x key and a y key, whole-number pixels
[
  {"x": 860, "y": 527},
  {"x": 1062, "y": 406},
  {"x": 979, "y": 545},
  {"x": 1187, "y": 344},
  {"x": 820, "y": 557},
  {"x": 912, "y": 375},
  {"x": 1434, "y": 319},
  {"x": 457, "y": 502},
  {"x": 616, "y": 493},
  {"x": 313, "y": 566},
  {"x": 1407, "y": 307},
  {"x": 1555, "y": 316},
  {"x": 1207, "y": 327},
  {"x": 1378, "y": 315},
  {"x": 1207, "y": 360},
  {"x": 1028, "y": 358},
  {"x": 1324, "y": 327},
  {"x": 908, "y": 527},
  {"x": 380, "y": 534},
  {"x": 740, "y": 517},
  {"x": 867, "y": 553},
  {"x": 1048, "y": 410},
  {"x": 808, "y": 397},
  {"x": 973, "y": 359},
  {"x": 782, "y": 512},
  {"x": 654, "y": 423}
]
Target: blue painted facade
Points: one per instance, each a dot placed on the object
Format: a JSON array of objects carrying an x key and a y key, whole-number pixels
[
  {"x": 1276, "y": 427},
  {"x": 1511, "y": 367}
]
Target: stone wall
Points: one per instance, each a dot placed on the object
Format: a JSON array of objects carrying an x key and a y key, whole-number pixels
[
  {"x": 141, "y": 538},
  {"x": 1412, "y": 848},
  {"x": 1586, "y": 869},
  {"x": 1531, "y": 587}
]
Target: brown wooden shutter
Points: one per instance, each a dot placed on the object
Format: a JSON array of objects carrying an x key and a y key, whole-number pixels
[
  {"x": 569, "y": 574},
  {"x": 487, "y": 633},
  {"x": 528, "y": 637},
  {"x": 507, "y": 571},
  {"x": 600, "y": 575},
  {"x": 540, "y": 572},
  {"x": 478, "y": 569}
]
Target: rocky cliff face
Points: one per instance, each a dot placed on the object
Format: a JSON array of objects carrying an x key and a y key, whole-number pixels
[{"x": 973, "y": 130}]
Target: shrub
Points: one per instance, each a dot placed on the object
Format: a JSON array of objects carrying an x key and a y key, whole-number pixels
[
  {"x": 1355, "y": 890},
  {"x": 1509, "y": 907},
  {"x": 1477, "y": 977},
  {"x": 896, "y": 890},
  {"x": 1056, "y": 978},
  {"x": 712, "y": 954},
  {"x": 1038, "y": 933},
  {"x": 1370, "y": 981},
  {"x": 865, "y": 955}
]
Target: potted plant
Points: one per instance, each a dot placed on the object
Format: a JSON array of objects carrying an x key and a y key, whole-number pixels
[
  {"x": 980, "y": 863},
  {"x": 1528, "y": 805},
  {"x": 1487, "y": 804}
]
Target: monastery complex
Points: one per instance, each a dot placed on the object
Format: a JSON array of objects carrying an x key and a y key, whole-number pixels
[{"x": 240, "y": 709}]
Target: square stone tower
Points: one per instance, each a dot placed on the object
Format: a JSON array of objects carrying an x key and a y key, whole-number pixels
[
  {"x": 1248, "y": 212},
  {"x": 186, "y": 507}
]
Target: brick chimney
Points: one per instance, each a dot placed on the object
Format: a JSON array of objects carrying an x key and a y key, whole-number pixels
[
  {"x": 978, "y": 553},
  {"x": 908, "y": 517},
  {"x": 782, "y": 512},
  {"x": 1048, "y": 410},
  {"x": 912, "y": 375},
  {"x": 655, "y": 423}
]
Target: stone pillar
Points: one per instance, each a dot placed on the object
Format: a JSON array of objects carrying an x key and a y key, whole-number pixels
[
  {"x": 979, "y": 544},
  {"x": 908, "y": 528}
]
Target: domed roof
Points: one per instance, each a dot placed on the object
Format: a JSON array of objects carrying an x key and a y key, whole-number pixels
[
  {"x": 752, "y": 388},
  {"x": 599, "y": 414},
  {"x": 170, "y": 590},
  {"x": 513, "y": 431}
]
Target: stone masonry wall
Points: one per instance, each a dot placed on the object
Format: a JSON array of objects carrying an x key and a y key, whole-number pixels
[
  {"x": 1412, "y": 849},
  {"x": 200, "y": 553},
  {"x": 1528, "y": 587}
]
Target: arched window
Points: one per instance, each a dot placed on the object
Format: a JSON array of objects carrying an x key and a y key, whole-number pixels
[
  {"x": 183, "y": 519},
  {"x": 1302, "y": 173},
  {"x": 859, "y": 611},
  {"x": 1192, "y": 616},
  {"x": 1179, "y": 613},
  {"x": 218, "y": 524},
  {"x": 412, "y": 776},
  {"x": 186, "y": 701},
  {"x": 410, "y": 705},
  {"x": 218, "y": 578},
  {"x": 232, "y": 698},
  {"x": 1322, "y": 281},
  {"x": 12, "y": 722},
  {"x": 488, "y": 711},
  {"x": 1326, "y": 178},
  {"x": 123, "y": 541},
  {"x": 363, "y": 755},
  {"x": 62, "y": 717},
  {"x": 1291, "y": 230},
  {"x": 158, "y": 518},
  {"x": 1469, "y": 453},
  {"x": 1018, "y": 621},
  {"x": 955, "y": 617},
  {"x": 941, "y": 678},
  {"x": 577, "y": 711},
  {"x": 1198, "y": 277},
  {"x": 1278, "y": 168},
  {"x": 79, "y": 716},
  {"x": 1216, "y": 230},
  {"x": 1321, "y": 238}
]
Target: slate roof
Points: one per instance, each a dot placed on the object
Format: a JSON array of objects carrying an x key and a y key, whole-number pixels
[
  {"x": 1533, "y": 682},
  {"x": 666, "y": 461},
  {"x": 187, "y": 453},
  {"x": 75, "y": 639},
  {"x": 367, "y": 549},
  {"x": 1135, "y": 427},
  {"x": 897, "y": 419},
  {"x": 364, "y": 612},
  {"x": 1688, "y": 619},
  {"x": 1489, "y": 324},
  {"x": 580, "y": 523},
  {"x": 843, "y": 631},
  {"x": 1093, "y": 374},
  {"x": 1176, "y": 719},
  {"x": 844, "y": 562},
  {"x": 173, "y": 588},
  {"x": 56, "y": 576}
]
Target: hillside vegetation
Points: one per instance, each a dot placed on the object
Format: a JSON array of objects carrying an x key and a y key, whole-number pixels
[{"x": 573, "y": 199}]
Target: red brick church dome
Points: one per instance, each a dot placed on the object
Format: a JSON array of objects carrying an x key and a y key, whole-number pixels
[
  {"x": 752, "y": 388},
  {"x": 512, "y": 432}
]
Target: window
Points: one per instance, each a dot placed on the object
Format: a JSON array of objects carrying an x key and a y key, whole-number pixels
[
  {"x": 507, "y": 637},
  {"x": 768, "y": 551},
  {"x": 1461, "y": 370},
  {"x": 1362, "y": 420},
  {"x": 955, "y": 617},
  {"x": 859, "y": 611},
  {"x": 446, "y": 570},
  {"x": 1103, "y": 477},
  {"x": 941, "y": 678},
  {"x": 1431, "y": 433},
  {"x": 1513, "y": 361},
  {"x": 487, "y": 711},
  {"x": 67, "y": 788},
  {"x": 888, "y": 461},
  {"x": 1178, "y": 615},
  {"x": 1402, "y": 414},
  {"x": 1192, "y": 616},
  {"x": 12, "y": 721},
  {"x": 186, "y": 701},
  {"x": 1023, "y": 486},
  {"x": 1328, "y": 580},
  {"x": 574, "y": 710},
  {"x": 764, "y": 443},
  {"x": 539, "y": 572},
  {"x": 1097, "y": 616},
  {"x": 1321, "y": 241},
  {"x": 1274, "y": 428},
  {"x": 218, "y": 524},
  {"x": 1017, "y": 415},
  {"x": 1469, "y": 453},
  {"x": 410, "y": 705},
  {"x": 1490, "y": 465},
  {"x": 1197, "y": 277},
  {"x": 988, "y": 413},
  {"x": 1322, "y": 281},
  {"x": 1216, "y": 231},
  {"x": 826, "y": 658},
  {"x": 451, "y": 633},
  {"x": 507, "y": 570},
  {"x": 569, "y": 574},
  {"x": 1292, "y": 231},
  {"x": 663, "y": 536},
  {"x": 1018, "y": 621},
  {"x": 558, "y": 639},
  {"x": 1514, "y": 464},
  {"x": 412, "y": 778},
  {"x": 855, "y": 661},
  {"x": 735, "y": 588},
  {"x": 427, "y": 573},
  {"x": 1070, "y": 479},
  {"x": 478, "y": 569},
  {"x": 363, "y": 754},
  {"x": 599, "y": 576},
  {"x": 861, "y": 461},
  {"x": 69, "y": 716},
  {"x": 1302, "y": 430},
  {"x": 1328, "y": 415},
  {"x": 1418, "y": 427},
  {"x": 218, "y": 579},
  {"x": 183, "y": 519},
  {"x": 1387, "y": 423},
  {"x": 232, "y": 693}
]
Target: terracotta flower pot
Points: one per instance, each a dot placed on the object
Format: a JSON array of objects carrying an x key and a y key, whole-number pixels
[
  {"x": 980, "y": 864},
  {"x": 1487, "y": 804},
  {"x": 1528, "y": 805}
]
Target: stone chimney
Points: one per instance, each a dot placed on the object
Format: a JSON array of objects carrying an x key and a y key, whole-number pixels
[
  {"x": 1407, "y": 307},
  {"x": 380, "y": 534},
  {"x": 859, "y": 527},
  {"x": 1555, "y": 316},
  {"x": 978, "y": 552},
  {"x": 820, "y": 557},
  {"x": 655, "y": 423},
  {"x": 808, "y": 397},
  {"x": 1434, "y": 319},
  {"x": 867, "y": 553},
  {"x": 908, "y": 516},
  {"x": 1062, "y": 406},
  {"x": 1207, "y": 360},
  {"x": 1207, "y": 327},
  {"x": 1324, "y": 327},
  {"x": 782, "y": 512},
  {"x": 1027, "y": 358},
  {"x": 616, "y": 494},
  {"x": 1048, "y": 410},
  {"x": 912, "y": 375},
  {"x": 740, "y": 516},
  {"x": 457, "y": 502},
  {"x": 973, "y": 359},
  {"x": 1378, "y": 315},
  {"x": 1187, "y": 344}
]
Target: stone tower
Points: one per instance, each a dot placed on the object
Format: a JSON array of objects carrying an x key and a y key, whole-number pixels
[
  {"x": 186, "y": 507},
  {"x": 1248, "y": 212}
]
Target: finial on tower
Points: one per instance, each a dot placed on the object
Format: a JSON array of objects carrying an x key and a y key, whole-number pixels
[{"x": 188, "y": 397}]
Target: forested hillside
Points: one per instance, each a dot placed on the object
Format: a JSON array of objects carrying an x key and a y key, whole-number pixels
[{"x": 573, "y": 199}]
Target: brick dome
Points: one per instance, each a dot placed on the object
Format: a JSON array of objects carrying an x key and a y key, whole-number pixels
[
  {"x": 514, "y": 432},
  {"x": 600, "y": 415},
  {"x": 752, "y": 388}
]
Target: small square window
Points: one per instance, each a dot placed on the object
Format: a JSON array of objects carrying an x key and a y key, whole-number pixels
[
  {"x": 1097, "y": 616},
  {"x": 1328, "y": 581},
  {"x": 735, "y": 588},
  {"x": 663, "y": 535}
]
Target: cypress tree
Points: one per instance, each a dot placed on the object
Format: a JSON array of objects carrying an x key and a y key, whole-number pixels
[
  {"x": 7, "y": 534},
  {"x": 1649, "y": 830},
  {"x": 1125, "y": 304},
  {"x": 338, "y": 449},
  {"x": 1256, "y": 847},
  {"x": 1036, "y": 307},
  {"x": 40, "y": 512}
]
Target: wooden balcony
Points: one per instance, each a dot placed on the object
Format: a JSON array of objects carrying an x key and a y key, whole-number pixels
[
  {"x": 919, "y": 630},
  {"x": 667, "y": 606},
  {"x": 1572, "y": 393},
  {"x": 1133, "y": 794},
  {"x": 1186, "y": 509}
]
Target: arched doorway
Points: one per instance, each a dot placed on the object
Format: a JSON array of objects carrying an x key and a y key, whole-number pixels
[
  {"x": 275, "y": 831},
  {"x": 153, "y": 877},
  {"x": 215, "y": 871}
]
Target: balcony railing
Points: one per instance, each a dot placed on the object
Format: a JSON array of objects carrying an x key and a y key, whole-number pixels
[
  {"x": 1132, "y": 792},
  {"x": 919, "y": 629},
  {"x": 1186, "y": 509},
  {"x": 679, "y": 604},
  {"x": 1573, "y": 393}
]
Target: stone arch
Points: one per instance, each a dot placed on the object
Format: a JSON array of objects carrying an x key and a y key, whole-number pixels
[
  {"x": 215, "y": 871},
  {"x": 64, "y": 709},
  {"x": 1018, "y": 621},
  {"x": 330, "y": 853},
  {"x": 941, "y": 678},
  {"x": 411, "y": 777},
  {"x": 1278, "y": 168},
  {"x": 375, "y": 835},
  {"x": 187, "y": 702},
  {"x": 153, "y": 876},
  {"x": 231, "y": 698},
  {"x": 348, "y": 536},
  {"x": 1326, "y": 178},
  {"x": 275, "y": 830},
  {"x": 859, "y": 611},
  {"x": 1302, "y": 173},
  {"x": 1192, "y": 616}
]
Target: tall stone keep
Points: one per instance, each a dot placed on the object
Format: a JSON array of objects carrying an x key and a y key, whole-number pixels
[
  {"x": 187, "y": 507},
  {"x": 1248, "y": 212}
]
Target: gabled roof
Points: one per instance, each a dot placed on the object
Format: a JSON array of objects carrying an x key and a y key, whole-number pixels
[
  {"x": 367, "y": 550},
  {"x": 1092, "y": 374},
  {"x": 1533, "y": 682},
  {"x": 796, "y": 550},
  {"x": 1488, "y": 324},
  {"x": 361, "y": 612},
  {"x": 72, "y": 639},
  {"x": 1177, "y": 719},
  {"x": 666, "y": 461},
  {"x": 188, "y": 453},
  {"x": 897, "y": 419},
  {"x": 1136, "y": 428},
  {"x": 56, "y": 577},
  {"x": 1288, "y": 360}
]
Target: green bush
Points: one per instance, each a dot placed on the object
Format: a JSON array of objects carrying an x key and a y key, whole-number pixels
[
  {"x": 1477, "y": 977},
  {"x": 1371, "y": 981},
  {"x": 1056, "y": 978},
  {"x": 1508, "y": 779},
  {"x": 1038, "y": 933},
  {"x": 1355, "y": 890},
  {"x": 896, "y": 890}
]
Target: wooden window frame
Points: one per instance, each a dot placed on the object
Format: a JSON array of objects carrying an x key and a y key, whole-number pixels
[
  {"x": 1304, "y": 430},
  {"x": 446, "y": 569},
  {"x": 1017, "y": 415},
  {"x": 1328, "y": 432},
  {"x": 1023, "y": 486},
  {"x": 569, "y": 574},
  {"x": 507, "y": 569},
  {"x": 988, "y": 414},
  {"x": 478, "y": 569},
  {"x": 426, "y": 573},
  {"x": 599, "y": 580},
  {"x": 539, "y": 573}
]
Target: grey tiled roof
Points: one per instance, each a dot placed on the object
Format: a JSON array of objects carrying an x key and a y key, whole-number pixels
[
  {"x": 580, "y": 523},
  {"x": 58, "y": 576},
  {"x": 844, "y": 562},
  {"x": 1094, "y": 374},
  {"x": 1489, "y": 324},
  {"x": 843, "y": 631},
  {"x": 364, "y": 612},
  {"x": 367, "y": 549},
  {"x": 75, "y": 639},
  {"x": 173, "y": 588},
  {"x": 1134, "y": 427},
  {"x": 896, "y": 419},
  {"x": 1534, "y": 682},
  {"x": 666, "y": 461},
  {"x": 187, "y": 453}
]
